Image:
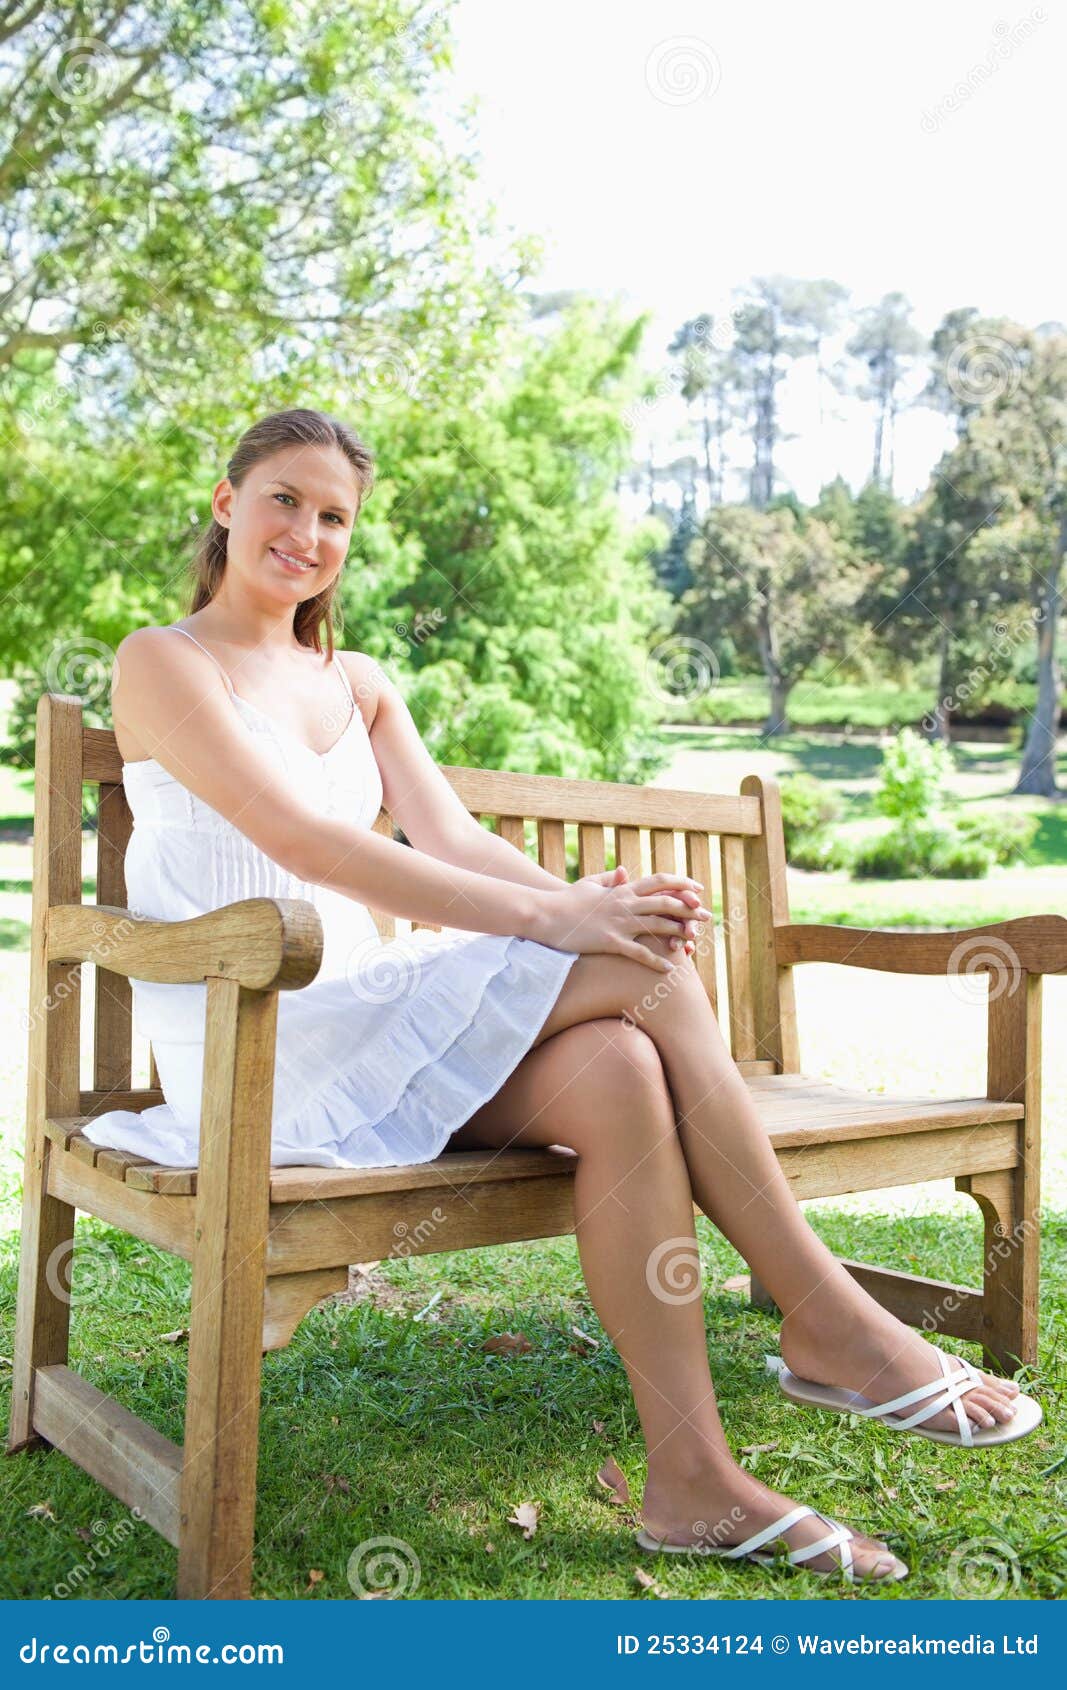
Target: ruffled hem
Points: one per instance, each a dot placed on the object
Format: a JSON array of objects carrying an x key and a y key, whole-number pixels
[{"x": 403, "y": 1094}]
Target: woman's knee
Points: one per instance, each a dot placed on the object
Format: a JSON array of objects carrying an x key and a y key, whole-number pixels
[{"x": 627, "y": 1085}]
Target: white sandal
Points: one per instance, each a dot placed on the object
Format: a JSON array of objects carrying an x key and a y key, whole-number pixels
[
  {"x": 947, "y": 1392},
  {"x": 839, "y": 1535}
]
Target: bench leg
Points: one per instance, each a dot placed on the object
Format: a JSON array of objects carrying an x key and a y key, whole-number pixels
[
  {"x": 42, "y": 1320},
  {"x": 220, "y": 1448},
  {"x": 1010, "y": 1269},
  {"x": 759, "y": 1297}
]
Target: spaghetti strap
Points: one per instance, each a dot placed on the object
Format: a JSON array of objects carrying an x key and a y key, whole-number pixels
[
  {"x": 345, "y": 679},
  {"x": 207, "y": 653}
]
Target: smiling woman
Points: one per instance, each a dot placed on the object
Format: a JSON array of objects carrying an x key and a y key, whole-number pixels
[{"x": 249, "y": 767}]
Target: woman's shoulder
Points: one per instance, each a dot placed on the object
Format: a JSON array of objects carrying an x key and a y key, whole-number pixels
[{"x": 366, "y": 677}]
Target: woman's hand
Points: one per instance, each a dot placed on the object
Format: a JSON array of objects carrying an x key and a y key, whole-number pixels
[
  {"x": 687, "y": 930},
  {"x": 604, "y": 912}
]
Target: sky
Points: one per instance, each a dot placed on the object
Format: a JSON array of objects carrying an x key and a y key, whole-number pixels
[{"x": 667, "y": 153}]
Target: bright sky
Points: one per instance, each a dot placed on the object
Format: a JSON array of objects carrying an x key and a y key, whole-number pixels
[{"x": 669, "y": 152}]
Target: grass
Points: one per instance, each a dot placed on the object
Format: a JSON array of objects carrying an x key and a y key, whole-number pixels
[
  {"x": 384, "y": 1420},
  {"x": 745, "y": 698}
]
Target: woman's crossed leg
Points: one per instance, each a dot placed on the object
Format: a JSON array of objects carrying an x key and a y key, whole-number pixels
[{"x": 599, "y": 1088}]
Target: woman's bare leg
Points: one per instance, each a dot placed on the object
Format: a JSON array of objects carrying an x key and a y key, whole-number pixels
[
  {"x": 832, "y": 1330},
  {"x": 599, "y": 1088}
]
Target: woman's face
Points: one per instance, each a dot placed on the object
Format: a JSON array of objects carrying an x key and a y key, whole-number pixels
[{"x": 299, "y": 504}]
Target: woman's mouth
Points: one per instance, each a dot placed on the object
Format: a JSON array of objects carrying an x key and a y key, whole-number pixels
[{"x": 290, "y": 561}]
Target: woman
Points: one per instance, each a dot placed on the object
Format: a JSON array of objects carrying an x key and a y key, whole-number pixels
[{"x": 255, "y": 767}]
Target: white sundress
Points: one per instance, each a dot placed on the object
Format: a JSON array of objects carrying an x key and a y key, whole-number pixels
[{"x": 394, "y": 1044}]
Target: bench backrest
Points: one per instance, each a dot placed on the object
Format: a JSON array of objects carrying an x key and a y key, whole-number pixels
[{"x": 594, "y": 823}]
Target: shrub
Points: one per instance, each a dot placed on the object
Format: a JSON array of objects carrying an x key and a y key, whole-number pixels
[
  {"x": 1007, "y": 834},
  {"x": 914, "y": 780},
  {"x": 808, "y": 808}
]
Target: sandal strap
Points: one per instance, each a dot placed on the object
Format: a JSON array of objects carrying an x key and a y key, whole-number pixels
[
  {"x": 758, "y": 1539},
  {"x": 953, "y": 1383},
  {"x": 840, "y": 1536}
]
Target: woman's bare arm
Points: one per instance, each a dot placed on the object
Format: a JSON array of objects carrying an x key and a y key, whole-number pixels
[{"x": 399, "y": 880}]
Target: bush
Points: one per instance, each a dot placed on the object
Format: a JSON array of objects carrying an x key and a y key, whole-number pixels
[
  {"x": 1008, "y": 835},
  {"x": 916, "y": 853},
  {"x": 915, "y": 775},
  {"x": 808, "y": 808}
]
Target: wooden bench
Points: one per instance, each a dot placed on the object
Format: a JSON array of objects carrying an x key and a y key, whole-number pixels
[{"x": 266, "y": 1244}]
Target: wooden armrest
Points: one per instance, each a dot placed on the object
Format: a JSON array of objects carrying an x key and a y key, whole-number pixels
[
  {"x": 1034, "y": 943},
  {"x": 265, "y": 944}
]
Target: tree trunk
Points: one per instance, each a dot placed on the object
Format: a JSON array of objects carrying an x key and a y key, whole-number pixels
[
  {"x": 708, "y": 471},
  {"x": 779, "y": 685},
  {"x": 1038, "y": 771},
  {"x": 942, "y": 711}
]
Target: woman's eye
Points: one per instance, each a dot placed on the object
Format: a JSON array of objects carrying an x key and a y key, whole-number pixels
[{"x": 283, "y": 495}]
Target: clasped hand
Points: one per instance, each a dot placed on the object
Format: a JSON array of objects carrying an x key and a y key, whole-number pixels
[{"x": 608, "y": 912}]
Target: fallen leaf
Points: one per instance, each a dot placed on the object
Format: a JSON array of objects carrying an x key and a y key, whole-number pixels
[
  {"x": 365, "y": 1267},
  {"x": 489, "y": 1547},
  {"x": 736, "y": 1282},
  {"x": 891, "y": 1492},
  {"x": 42, "y": 1510},
  {"x": 646, "y": 1581},
  {"x": 84, "y": 1533},
  {"x": 508, "y": 1344},
  {"x": 178, "y": 1336},
  {"x": 612, "y": 1477},
  {"x": 526, "y": 1515},
  {"x": 376, "y": 1596},
  {"x": 946, "y": 1484},
  {"x": 594, "y": 1343},
  {"x": 335, "y": 1420},
  {"x": 757, "y": 1449},
  {"x": 598, "y": 1425},
  {"x": 336, "y": 1481},
  {"x": 315, "y": 1576}
]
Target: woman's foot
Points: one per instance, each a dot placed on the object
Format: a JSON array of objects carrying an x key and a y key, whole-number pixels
[
  {"x": 841, "y": 1336},
  {"x": 722, "y": 1511}
]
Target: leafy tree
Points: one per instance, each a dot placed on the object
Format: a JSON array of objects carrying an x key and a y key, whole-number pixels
[
  {"x": 887, "y": 344},
  {"x": 784, "y": 587}
]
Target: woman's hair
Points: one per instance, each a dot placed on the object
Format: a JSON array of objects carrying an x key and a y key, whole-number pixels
[{"x": 269, "y": 435}]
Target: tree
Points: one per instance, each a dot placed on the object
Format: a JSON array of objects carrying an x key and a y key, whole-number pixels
[
  {"x": 784, "y": 588},
  {"x": 782, "y": 319},
  {"x": 199, "y": 193},
  {"x": 1020, "y": 431},
  {"x": 887, "y": 344}
]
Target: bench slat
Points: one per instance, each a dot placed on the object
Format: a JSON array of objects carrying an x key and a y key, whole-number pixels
[{"x": 798, "y": 1111}]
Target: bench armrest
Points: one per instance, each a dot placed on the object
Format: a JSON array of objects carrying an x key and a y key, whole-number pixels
[
  {"x": 265, "y": 944},
  {"x": 1036, "y": 944}
]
